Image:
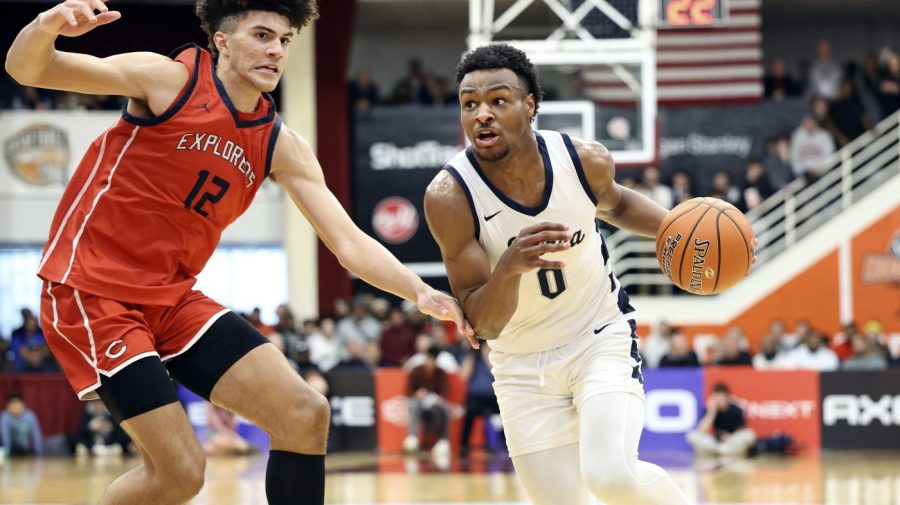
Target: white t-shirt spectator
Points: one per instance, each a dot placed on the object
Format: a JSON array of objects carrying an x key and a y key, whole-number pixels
[
  {"x": 822, "y": 359},
  {"x": 810, "y": 148}
]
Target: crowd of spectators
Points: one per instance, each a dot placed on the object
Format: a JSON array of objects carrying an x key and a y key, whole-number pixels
[{"x": 806, "y": 348}]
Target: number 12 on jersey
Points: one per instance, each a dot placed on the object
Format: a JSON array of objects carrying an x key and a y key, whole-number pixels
[{"x": 217, "y": 181}]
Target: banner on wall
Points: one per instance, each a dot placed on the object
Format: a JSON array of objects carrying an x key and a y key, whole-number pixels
[
  {"x": 352, "y": 398},
  {"x": 674, "y": 402},
  {"x": 704, "y": 140},
  {"x": 39, "y": 152},
  {"x": 397, "y": 151},
  {"x": 876, "y": 279},
  {"x": 775, "y": 401},
  {"x": 860, "y": 410},
  {"x": 42, "y": 149}
]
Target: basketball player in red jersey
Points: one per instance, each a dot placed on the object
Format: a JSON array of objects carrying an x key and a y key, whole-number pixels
[{"x": 144, "y": 212}]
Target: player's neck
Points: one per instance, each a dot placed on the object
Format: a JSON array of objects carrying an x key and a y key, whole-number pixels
[
  {"x": 242, "y": 94},
  {"x": 524, "y": 161}
]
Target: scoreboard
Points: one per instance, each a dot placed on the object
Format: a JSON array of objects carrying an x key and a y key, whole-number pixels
[{"x": 692, "y": 13}]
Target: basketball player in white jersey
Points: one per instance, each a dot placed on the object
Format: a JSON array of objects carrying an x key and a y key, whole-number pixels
[{"x": 514, "y": 215}]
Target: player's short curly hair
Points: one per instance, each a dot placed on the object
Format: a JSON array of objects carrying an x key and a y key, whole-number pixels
[
  {"x": 214, "y": 13},
  {"x": 496, "y": 56}
]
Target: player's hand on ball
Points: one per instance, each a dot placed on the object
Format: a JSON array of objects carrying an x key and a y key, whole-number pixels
[
  {"x": 444, "y": 307},
  {"x": 76, "y": 17},
  {"x": 524, "y": 254}
]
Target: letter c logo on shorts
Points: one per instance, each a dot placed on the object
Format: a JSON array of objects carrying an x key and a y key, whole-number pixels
[{"x": 113, "y": 355}]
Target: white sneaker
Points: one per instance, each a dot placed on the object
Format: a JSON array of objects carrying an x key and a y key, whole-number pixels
[
  {"x": 441, "y": 448},
  {"x": 411, "y": 443}
]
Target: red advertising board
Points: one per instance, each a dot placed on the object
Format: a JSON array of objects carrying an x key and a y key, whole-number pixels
[
  {"x": 775, "y": 401},
  {"x": 390, "y": 402}
]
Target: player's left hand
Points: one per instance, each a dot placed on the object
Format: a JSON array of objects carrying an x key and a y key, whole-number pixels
[
  {"x": 445, "y": 307},
  {"x": 753, "y": 249}
]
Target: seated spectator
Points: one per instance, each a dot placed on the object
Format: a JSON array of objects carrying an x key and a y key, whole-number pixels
[
  {"x": 841, "y": 343},
  {"x": 223, "y": 438},
  {"x": 680, "y": 354},
  {"x": 778, "y": 84},
  {"x": 810, "y": 148},
  {"x": 358, "y": 325},
  {"x": 769, "y": 354},
  {"x": 29, "y": 332},
  {"x": 778, "y": 162},
  {"x": 372, "y": 356},
  {"x": 287, "y": 327},
  {"x": 480, "y": 398},
  {"x": 445, "y": 360},
  {"x": 426, "y": 391},
  {"x": 731, "y": 349},
  {"x": 36, "y": 358},
  {"x": 889, "y": 85},
  {"x": 723, "y": 189},
  {"x": 682, "y": 187},
  {"x": 398, "y": 339},
  {"x": 789, "y": 341},
  {"x": 847, "y": 116},
  {"x": 656, "y": 344},
  {"x": 20, "y": 432},
  {"x": 324, "y": 347},
  {"x": 362, "y": 92},
  {"x": 653, "y": 189},
  {"x": 866, "y": 355},
  {"x": 825, "y": 74},
  {"x": 722, "y": 430},
  {"x": 812, "y": 354},
  {"x": 353, "y": 357},
  {"x": 757, "y": 186},
  {"x": 98, "y": 433}
]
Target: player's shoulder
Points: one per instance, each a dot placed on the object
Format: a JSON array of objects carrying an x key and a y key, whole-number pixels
[
  {"x": 444, "y": 189},
  {"x": 592, "y": 152}
]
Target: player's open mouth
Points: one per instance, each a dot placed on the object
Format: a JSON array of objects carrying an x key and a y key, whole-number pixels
[
  {"x": 272, "y": 69},
  {"x": 486, "y": 138}
]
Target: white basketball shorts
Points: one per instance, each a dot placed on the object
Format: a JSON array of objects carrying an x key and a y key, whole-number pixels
[{"x": 541, "y": 393}]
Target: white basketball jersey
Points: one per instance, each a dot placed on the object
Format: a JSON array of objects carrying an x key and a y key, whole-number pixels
[{"x": 555, "y": 306}]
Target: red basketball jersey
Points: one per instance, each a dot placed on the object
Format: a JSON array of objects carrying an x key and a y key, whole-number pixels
[{"x": 146, "y": 207}]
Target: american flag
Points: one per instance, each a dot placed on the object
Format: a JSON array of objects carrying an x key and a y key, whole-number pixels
[{"x": 697, "y": 65}]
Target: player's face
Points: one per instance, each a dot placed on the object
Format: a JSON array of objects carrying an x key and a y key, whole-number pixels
[
  {"x": 258, "y": 48},
  {"x": 496, "y": 112}
]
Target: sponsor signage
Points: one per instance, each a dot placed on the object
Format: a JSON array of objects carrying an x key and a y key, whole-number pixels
[
  {"x": 861, "y": 410},
  {"x": 774, "y": 401},
  {"x": 397, "y": 151},
  {"x": 706, "y": 139},
  {"x": 674, "y": 401},
  {"x": 352, "y": 397}
]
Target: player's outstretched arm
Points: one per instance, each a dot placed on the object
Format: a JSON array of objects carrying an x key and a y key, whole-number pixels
[
  {"x": 33, "y": 60},
  {"x": 296, "y": 168},
  {"x": 617, "y": 205},
  {"x": 489, "y": 299}
]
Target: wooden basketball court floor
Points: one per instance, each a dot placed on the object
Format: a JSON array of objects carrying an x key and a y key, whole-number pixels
[{"x": 834, "y": 478}]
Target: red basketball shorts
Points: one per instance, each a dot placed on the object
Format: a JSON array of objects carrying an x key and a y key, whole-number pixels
[{"x": 93, "y": 336}]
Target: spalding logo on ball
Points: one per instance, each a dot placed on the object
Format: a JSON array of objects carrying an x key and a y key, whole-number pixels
[
  {"x": 705, "y": 246},
  {"x": 395, "y": 220}
]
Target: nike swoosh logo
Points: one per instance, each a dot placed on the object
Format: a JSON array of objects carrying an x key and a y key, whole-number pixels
[
  {"x": 601, "y": 329},
  {"x": 488, "y": 218}
]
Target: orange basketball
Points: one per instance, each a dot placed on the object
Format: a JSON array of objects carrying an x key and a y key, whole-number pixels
[{"x": 704, "y": 246}]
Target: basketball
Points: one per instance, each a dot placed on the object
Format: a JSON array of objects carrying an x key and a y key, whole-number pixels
[{"x": 704, "y": 246}]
